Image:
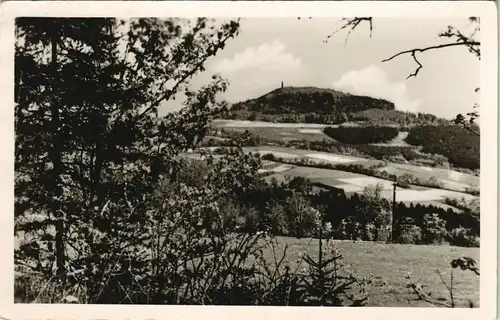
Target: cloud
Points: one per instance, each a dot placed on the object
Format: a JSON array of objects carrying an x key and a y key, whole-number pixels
[
  {"x": 259, "y": 69},
  {"x": 372, "y": 81},
  {"x": 270, "y": 55}
]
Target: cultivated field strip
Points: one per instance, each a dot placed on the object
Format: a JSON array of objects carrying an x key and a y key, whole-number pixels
[{"x": 356, "y": 183}]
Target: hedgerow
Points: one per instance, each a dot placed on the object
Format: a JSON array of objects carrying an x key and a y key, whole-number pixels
[{"x": 362, "y": 134}]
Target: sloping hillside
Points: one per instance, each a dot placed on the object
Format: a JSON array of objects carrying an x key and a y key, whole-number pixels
[
  {"x": 305, "y": 104},
  {"x": 326, "y": 106},
  {"x": 403, "y": 118},
  {"x": 460, "y": 146}
]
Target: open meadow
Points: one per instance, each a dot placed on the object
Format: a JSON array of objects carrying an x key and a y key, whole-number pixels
[
  {"x": 223, "y": 123},
  {"x": 389, "y": 264},
  {"x": 280, "y": 133}
]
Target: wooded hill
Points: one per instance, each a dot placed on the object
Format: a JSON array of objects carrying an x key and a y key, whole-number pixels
[
  {"x": 325, "y": 106},
  {"x": 305, "y": 104}
]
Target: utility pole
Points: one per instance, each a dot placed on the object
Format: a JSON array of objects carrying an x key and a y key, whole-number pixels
[{"x": 393, "y": 215}]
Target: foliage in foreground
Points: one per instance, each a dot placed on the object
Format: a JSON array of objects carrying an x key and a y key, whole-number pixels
[
  {"x": 464, "y": 264},
  {"x": 186, "y": 253},
  {"x": 101, "y": 211}
]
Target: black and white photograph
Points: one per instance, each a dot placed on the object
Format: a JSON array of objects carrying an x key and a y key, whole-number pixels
[{"x": 299, "y": 160}]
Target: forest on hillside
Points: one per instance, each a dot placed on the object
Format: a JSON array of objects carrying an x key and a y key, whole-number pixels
[
  {"x": 326, "y": 106},
  {"x": 307, "y": 105},
  {"x": 459, "y": 145},
  {"x": 402, "y": 118}
]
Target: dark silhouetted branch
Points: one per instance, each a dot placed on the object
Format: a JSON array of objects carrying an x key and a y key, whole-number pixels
[
  {"x": 412, "y": 52},
  {"x": 351, "y": 24}
]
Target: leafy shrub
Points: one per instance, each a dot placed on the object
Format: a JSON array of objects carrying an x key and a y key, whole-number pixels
[
  {"x": 463, "y": 237},
  {"x": 275, "y": 219},
  {"x": 398, "y": 158},
  {"x": 376, "y": 211},
  {"x": 250, "y": 220},
  {"x": 410, "y": 235},
  {"x": 385, "y": 152},
  {"x": 434, "y": 182},
  {"x": 300, "y": 185},
  {"x": 434, "y": 229},
  {"x": 370, "y": 232},
  {"x": 351, "y": 229},
  {"x": 405, "y": 180},
  {"x": 303, "y": 220}
]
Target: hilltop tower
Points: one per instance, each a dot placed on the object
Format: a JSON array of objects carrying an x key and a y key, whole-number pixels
[{"x": 281, "y": 84}]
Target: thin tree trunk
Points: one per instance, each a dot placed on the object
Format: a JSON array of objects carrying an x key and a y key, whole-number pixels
[
  {"x": 55, "y": 155},
  {"x": 19, "y": 99}
]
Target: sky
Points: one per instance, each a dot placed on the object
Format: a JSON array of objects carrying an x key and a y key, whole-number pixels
[{"x": 270, "y": 50}]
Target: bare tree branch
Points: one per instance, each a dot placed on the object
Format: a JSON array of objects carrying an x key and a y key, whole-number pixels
[
  {"x": 461, "y": 39},
  {"x": 351, "y": 24},
  {"x": 432, "y": 48},
  {"x": 412, "y": 52},
  {"x": 419, "y": 66},
  {"x": 417, "y": 289},
  {"x": 452, "y": 33},
  {"x": 468, "y": 128}
]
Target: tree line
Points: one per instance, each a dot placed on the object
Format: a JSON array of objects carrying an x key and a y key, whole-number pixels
[{"x": 362, "y": 135}]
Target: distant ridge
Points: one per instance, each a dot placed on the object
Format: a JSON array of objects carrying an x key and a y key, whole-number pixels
[
  {"x": 306, "y": 104},
  {"x": 309, "y": 104}
]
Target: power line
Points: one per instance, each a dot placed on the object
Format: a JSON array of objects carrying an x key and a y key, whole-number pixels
[{"x": 393, "y": 214}]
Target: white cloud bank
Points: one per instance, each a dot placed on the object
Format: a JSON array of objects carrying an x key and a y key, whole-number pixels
[
  {"x": 260, "y": 69},
  {"x": 372, "y": 81},
  {"x": 269, "y": 55}
]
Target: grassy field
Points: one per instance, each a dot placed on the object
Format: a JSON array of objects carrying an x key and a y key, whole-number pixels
[
  {"x": 283, "y": 133},
  {"x": 387, "y": 265},
  {"x": 353, "y": 182},
  {"x": 444, "y": 174},
  {"x": 318, "y": 157},
  {"x": 390, "y": 263},
  {"x": 222, "y": 123},
  {"x": 398, "y": 169},
  {"x": 313, "y": 132},
  {"x": 399, "y": 141},
  {"x": 451, "y": 180}
]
